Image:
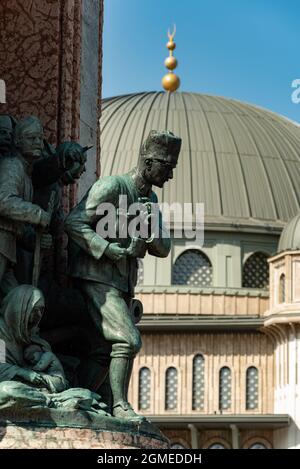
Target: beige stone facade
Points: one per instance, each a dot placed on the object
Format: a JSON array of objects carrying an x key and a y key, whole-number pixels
[
  {"x": 282, "y": 324},
  {"x": 239, "y": 330},
  {"x": 179, "y": 323},
  {"x": 212, "y": 302},
  {"x": 209, "y": 437},
  {"x": 238, "y": 351}
]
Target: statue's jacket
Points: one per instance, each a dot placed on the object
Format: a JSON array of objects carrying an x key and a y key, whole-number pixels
[
  {"x": 87, "y": 258},
  {"x": 16, "y": 208}
]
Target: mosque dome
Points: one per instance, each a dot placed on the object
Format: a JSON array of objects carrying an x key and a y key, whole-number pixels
[
  {"x": 290, "y": 236},
  {"x": 241, "y": 161}
]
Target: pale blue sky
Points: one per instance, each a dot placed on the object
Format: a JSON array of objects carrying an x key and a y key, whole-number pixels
[{"x": 243, "y": 49}]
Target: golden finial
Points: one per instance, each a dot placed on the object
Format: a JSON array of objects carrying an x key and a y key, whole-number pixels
[{"x": 170, "y": 81}]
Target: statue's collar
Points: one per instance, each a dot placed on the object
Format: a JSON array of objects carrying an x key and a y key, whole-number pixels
[{"x": 143, "y": 188}]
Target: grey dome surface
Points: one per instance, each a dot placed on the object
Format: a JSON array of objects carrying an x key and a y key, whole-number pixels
[
  {"x": 241, "y": 161},
  {"x": 290, "y": 236}
]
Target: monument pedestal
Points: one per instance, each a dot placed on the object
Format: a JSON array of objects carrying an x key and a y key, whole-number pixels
[{"x": 62, "y": 429}]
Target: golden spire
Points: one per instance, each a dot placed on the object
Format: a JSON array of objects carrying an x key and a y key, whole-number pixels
[{"x": 170, "y": 81}]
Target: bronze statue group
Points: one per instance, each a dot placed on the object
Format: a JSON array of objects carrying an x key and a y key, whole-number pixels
[{"x": 69, "y": 333}]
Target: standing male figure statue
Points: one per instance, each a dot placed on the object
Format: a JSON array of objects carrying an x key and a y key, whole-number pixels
[
  {"x": 16, "y": 192},
  {"x": 7, "y": 124},
  {"x": 105, "y": 269}
]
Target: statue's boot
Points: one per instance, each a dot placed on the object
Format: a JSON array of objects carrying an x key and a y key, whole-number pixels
[{"x": 119, "y": 373}]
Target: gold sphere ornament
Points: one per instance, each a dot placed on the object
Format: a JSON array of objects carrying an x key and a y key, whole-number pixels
[
  {"x": 170, "y": 82},
  {"x": 171, "y": 62},
  {"x": 171, "y": 45}
]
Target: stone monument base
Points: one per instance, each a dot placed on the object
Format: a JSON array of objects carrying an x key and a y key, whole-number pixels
[{"x": 61, "y": 429}]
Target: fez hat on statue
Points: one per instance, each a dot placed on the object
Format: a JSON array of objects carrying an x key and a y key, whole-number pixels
[{"x": 161, "y": 145}]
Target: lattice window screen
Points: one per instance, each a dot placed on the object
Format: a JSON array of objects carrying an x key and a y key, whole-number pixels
[
  {"x": 252, "y": 388},
  {"x": 144, "y": 388},
  {"x": 198, "y": 382},
  {"x": 140, "y": 273},
  {"x": 225, "y": 388},
  {"x": 256, "y": 271},
  {"x": 192, "y": 268},
  {"x": 171, "y": 388}
]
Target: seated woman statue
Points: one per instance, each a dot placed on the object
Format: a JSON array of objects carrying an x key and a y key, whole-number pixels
[{"x": 32, "y": 376}]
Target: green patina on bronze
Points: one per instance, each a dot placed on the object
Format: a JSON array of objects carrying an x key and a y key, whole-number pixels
[
  {"x": 69, "y": 418},
  {"x": 16, "y": 194},
  {"x": 106, "y": 269},
  {"x": 104, "y": 272},
  {"x": 21, "y": 384}
]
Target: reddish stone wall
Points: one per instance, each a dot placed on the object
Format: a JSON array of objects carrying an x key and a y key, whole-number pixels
[
  {"x": 40, "y": 58},
  {"x": 98, "y": 168},
  {"x": 20, "y": 437},
  {"x": 40, "y": 62}
]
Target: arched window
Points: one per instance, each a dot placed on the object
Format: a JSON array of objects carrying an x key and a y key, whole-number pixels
[
  {"x": 144, "y": 388},
  {"x": 282, "y": 288},
  {"x": 256, "y": 271},
  {"x": 252, "y": 388},
  {"x": 171, "y": 388},
  {"x": 258, "y": 445},
  {"x": 198, "y": 383},
  {"x": 140, "y": 272},
  {"x": 192, "y": 268},
  {"x": 177, "y": 446},
  {"x": 257, "y": 442},
  {"x": 216, "y": 446},
  {"x": 216, "y": 443},
  {"x": 225, "y": 388}
]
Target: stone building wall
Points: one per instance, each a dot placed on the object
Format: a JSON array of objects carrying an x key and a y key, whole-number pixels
[
  {"x": 208, "y": 437},
  {"x": 238, "y": 351},
  {"x": 222, "y": 302}
]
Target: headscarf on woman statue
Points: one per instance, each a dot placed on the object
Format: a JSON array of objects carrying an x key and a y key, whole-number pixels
[{"x": 20, "y": 385}]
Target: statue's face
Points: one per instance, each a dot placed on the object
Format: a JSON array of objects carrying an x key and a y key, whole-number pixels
[
  {"x": 6, "y": 133},
  {"x": 31, "y": 143},
  {"x": 36, "y": 314},
  {"x": 33, "y": 357},
  {"x": 160, "y": 171}
]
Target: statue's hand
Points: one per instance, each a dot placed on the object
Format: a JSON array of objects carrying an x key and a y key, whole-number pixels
[
  {"x": 30, "y": 376},
  {"x": 115, "y": 252},
  {"x": 37, "y": 379},
  {"x": 45, "y": 219},
  {"x": 149, "y": 222},
  {"x": 137, "y": 248},
  {"x": 46, "y": 241}
]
